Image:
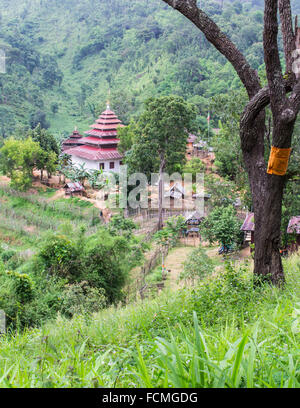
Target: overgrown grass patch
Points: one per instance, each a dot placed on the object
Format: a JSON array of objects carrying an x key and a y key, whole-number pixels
[{"x": 222, "y": 333}]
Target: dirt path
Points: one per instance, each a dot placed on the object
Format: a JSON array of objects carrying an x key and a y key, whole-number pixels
[
  {"x": 4, "y": 179},
  {"x": 58, "y": 194},
  {"x": 174, "y": 263}
]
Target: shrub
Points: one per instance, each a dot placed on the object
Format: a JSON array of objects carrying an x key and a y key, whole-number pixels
[
  {"x": 23, "y": 286},
  {"x": 60, "y": 256},
  {"x": 7, "y": 255},
  {"x": 80, "y": 298},
  {"x": 197, "y": 266}
]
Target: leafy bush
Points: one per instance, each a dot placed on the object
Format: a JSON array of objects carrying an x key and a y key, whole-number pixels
[
  {"x": 197, "y": 266},
  {"x": 7, "y": 255},
  {"x": 23, "y": 286},
  {"x": 80, "y": 298},
  {"x": 60, "y": 256},
  {"x": 222, "y": 225},
  {"x": 194, "y": 166}
]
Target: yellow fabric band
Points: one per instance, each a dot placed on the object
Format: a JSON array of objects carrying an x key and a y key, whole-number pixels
[{"x": 278, "y": 161}]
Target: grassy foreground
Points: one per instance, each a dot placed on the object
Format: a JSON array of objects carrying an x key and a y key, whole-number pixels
[{"x": 221, "y": 333}]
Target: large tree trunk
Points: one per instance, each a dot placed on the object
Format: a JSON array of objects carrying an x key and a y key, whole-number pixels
[
  {"x": 267, "y": 193},
  {"x": 267, "y": 218}
]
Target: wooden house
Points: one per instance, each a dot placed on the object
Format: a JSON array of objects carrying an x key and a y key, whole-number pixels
[
  {"x": 192, "y": 222},
  {"x": 74, "y": 189},
  {"x": 190, "y": 144},
  {"x": 248, "y": 228},
  {"x": 176, "y": 192},
  {"x": 294, "y": 228}
]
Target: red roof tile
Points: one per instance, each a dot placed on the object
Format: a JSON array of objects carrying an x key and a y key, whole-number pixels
[
  {"x": 108, "y": 121},
  {"x": 98, "y": 141},
  {"x": 94, "y": 153},
  {"x": 105, "y": 126},
  {"x": 101, "y": 133},
  {"x": 75, "y": 134},
  {"x": 72, "y": 141}
]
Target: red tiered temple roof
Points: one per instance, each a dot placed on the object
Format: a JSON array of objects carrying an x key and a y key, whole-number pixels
[
  {"x": 101, "y": 141},
  {"x": 73, "y": 141},
  {"x": 95, "y": 153}
]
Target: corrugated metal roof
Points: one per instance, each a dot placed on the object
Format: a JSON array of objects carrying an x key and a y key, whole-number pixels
[
  {"x": 294, "y": 225},
  {"x": 194, "y": 216},
  {"x": 76, "y": 186},
  {"x": 192, "y": 138},
  {"x": 248, "y": 224}
]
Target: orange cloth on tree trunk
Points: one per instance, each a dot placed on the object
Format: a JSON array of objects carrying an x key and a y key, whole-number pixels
[{"x": 278, "y": 161}]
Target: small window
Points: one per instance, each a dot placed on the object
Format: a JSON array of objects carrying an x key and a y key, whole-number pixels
[
  {"x": 101, "y": 166},
  {"x": 112, "y": 165}
]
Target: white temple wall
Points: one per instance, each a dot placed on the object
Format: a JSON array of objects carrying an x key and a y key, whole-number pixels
[{"x": 95, "y": 165}]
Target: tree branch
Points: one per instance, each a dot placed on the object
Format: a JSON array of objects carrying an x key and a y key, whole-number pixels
[
  {"x": 289, "y": 40},
  {"x": 260, "y": 101},
  {"x": 272, "y": 59},
  {"x": 295, "y": 97},
  {"x": 222, "y": 43}
]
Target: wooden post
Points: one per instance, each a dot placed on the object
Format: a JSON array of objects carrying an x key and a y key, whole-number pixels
[{"x": 2, "y": 322}]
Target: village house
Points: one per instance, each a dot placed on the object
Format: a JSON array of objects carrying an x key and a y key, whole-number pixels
[
  {"x": 176, "y": 192},
  {"x": 190, "y": 144},
  {"x": 99, "y": 149},
  {"x": 294, "y": 228},
  {"x": 248, "y": 228},
  {"x": 192, "y": 222},
  {"x": 74, "y": 189}
]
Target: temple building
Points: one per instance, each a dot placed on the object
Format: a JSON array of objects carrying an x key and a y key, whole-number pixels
[
  {"x": 72, "y": 141},
  {"x": 98, "y": 150}
]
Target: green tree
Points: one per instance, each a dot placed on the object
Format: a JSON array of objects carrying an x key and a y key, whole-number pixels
[
  {"x": 222, "y": 192},
  {"x": 119, "y": 225},
  {"x": 38, "y": 117},
  {"x": 164, "y": 126},
  {"x": 127, "y": 136},
  {"x": 197, "y": 266},
  {"x": 54, "y": 107},
  {"x": 194, "y": 166},
  {"x": 282, "y": 93},
  {"x": 222, "y": 225},
  {"x": 45, "y": 139},
  {"x": 18, "y": 158}
]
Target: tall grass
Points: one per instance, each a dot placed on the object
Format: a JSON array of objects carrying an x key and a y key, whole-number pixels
[{"x": 248, "y": 338}]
